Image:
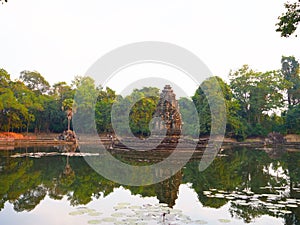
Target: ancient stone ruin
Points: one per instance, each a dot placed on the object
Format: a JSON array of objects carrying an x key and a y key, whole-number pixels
[{"x": 168, "y": 112}]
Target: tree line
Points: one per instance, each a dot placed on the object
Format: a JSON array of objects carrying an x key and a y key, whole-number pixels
[{"x": 256, "y": 103}]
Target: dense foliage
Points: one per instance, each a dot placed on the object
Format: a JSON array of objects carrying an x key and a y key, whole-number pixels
[
  {"x": 289, "y": 20},
  {"x": 256, "y": 103}
]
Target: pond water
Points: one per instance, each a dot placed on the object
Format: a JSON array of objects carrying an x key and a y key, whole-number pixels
[{"x": 242, "y": 186}]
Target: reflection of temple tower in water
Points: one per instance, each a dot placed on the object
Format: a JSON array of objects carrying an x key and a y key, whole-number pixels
[
  {"x": 168, "y": 112},
  {"x": 167, "y": 190}
]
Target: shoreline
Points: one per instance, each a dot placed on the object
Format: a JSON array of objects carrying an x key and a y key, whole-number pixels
[{"x": 51, "y": 139}]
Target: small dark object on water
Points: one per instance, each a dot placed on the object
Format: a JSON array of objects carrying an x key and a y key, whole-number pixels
[{"x": 275, "y": 138}]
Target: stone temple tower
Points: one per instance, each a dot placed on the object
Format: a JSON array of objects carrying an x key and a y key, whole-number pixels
[{"x": 168, "y": 111}]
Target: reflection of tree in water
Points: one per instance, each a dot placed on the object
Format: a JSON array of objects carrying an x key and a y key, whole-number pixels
[
  {"x": 243, "y": 171},
  {"x": 67, "y": 177},
  {"x": 293, "y": 170},
  {"x": 247, "y": 213},
  {"x": 30, "y": 199},
  {"x": 87, "y": 183},
  {"x": 25, "y": 181},
  {"x": 293, "y": 219},
  {"x": 21, "y": 185}
]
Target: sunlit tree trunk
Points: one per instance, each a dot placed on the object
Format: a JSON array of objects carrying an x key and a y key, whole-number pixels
[{"x": 69, "y": 116}]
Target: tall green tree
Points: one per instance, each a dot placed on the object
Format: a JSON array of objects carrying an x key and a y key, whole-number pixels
[
  {"x": 291, "y": 72},
  {"x": 189, "y": 116},
  {"x": 29, "y": 100},
  {"x": 103, "y": 107},
  {"x": 289, "y": 20},
  {"x": 85, "y": 100},
  {"x": 11, "y": 110},
  {"x": 292, "y": 120},
  {"x": 60, "y": 105},
  {"x": 145, "y": 101},
  {"x": 258, "y": 94},
  {"x": 234, "y": 125},
  {"x": 61, "y": 91},
  {"x": 52, "y": 118},
  {"x": 35, "y": 81},
  {"x": 201, "y": 102},
  {"x": 142, "y": 111},
  {"x": 137, "y": 109}
]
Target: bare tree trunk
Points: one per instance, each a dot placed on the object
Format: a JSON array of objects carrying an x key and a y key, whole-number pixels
[{"x": 69, "y": 123}]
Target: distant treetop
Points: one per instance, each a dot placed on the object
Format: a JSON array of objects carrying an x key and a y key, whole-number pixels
[{"x": 289, "y": 20}]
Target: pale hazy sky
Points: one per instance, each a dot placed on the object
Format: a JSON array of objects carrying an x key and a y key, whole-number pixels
[{"x": 63, "y": 38}]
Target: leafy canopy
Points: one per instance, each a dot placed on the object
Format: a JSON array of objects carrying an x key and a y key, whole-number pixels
[{"x": 289, "y": 20}]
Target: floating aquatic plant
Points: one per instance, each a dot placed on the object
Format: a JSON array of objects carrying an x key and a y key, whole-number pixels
[
  {"x": 124, "y": 203},
  {"x": 224, "y": 221},
  {"x": 118, "y": 214},
  {"x": 95, "y": 213},
  {"x": 138, "y": 214},
  {"x": 75, "y": 213},
  {"x": 109, "y": 219},
  {"x": 94, "y": 221},
  {"x": 118, "y": 207}
]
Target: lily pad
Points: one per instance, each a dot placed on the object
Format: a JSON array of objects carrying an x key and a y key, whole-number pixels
[
  {"x": 109, "y": 219},
  {"x": 163, "y": 204},
  {"x": 279, "y": 205},
  {"x": 224, "y": 220},
  {"x": 271, "y": 206},
  {"x": 124, "y": 203},
  {"x": 119, "y": 207},
  {"x": 292, "y": 205},
  {"x": 131, "y": 220},
  {"x": 230, "y": 197},
  {"x": 86, "y": 210},
  {"x": 285, "y": 211},
  {"x": 219, "y": 196},
  {"x": 95, "y": 213},
  {"x": 94, "y": 221},
  {"x": 135, "y": 207},
  {"x": 76, "y": 213},
  {"x": 118, "y": 214}
]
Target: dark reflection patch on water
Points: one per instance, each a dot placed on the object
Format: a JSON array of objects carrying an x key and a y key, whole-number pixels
[{"x": 50, "y": 185}]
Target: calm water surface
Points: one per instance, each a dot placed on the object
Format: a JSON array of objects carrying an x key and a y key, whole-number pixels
[{"x": 241, "y": 186}]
